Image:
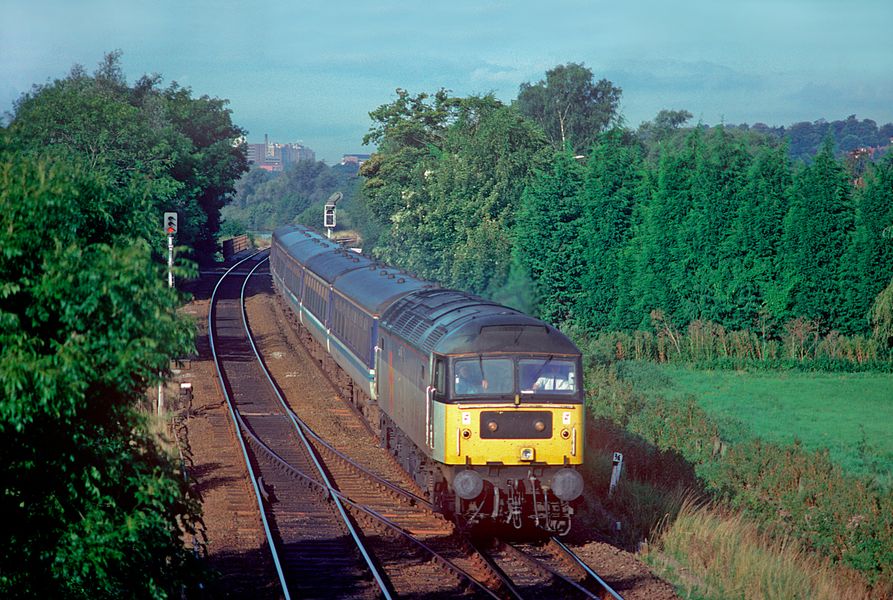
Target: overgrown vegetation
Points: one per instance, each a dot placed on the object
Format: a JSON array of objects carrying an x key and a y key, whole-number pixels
[
  {"x": 265, "y": 200},
  {"x": 710, "y": 228},
  {"x": 798, "y": 346},
  {"x": 712, "y": 553},
  {"x": 176, "y": 152},
  {"x": 702, "y": 245},
  {"x": 673, "y": 445},
  {"x": 93, "y": 507}
]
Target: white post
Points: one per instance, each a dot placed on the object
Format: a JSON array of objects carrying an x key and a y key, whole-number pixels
[
  {"x": 615, "y": 472},
  {"x": 170, "y": 261}
]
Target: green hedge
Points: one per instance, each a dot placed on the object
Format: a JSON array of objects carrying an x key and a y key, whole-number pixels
[{"x": 787, "y": 490}]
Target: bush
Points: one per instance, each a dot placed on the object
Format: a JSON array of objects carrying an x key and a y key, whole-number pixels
[{"x": 787, "y": 491}]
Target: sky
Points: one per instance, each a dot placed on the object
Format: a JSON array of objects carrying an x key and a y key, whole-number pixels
[{"x": 310, "y": 72}]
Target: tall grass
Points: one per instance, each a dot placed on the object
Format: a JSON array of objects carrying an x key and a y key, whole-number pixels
[
  {"x": 799, "y": 344},
  {"x": 784, "y": 490},
  {"x": 725, "y": 556}
]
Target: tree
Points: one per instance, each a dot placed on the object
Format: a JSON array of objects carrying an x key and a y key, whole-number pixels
[
  {"x": 446, "y": 182},
  {"x": 753, "y": 249},
  {"x": 94, "y": 507},
  {"x": 208, "y": 162},
  {"x": 569, "y": 106},
  {"x": 549, "y": 236},
  {"x": 665, "y": 124},
  {"x": 405, "y": 130},
  {"x": 817, "y": 233},
  {"x": 610, "y": 187},
  {"x": 868, "y": 264},
  {"x": 178, "y": 151}
]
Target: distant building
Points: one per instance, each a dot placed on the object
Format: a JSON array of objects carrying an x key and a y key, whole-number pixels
[
  {"x": 272, "y": 156},
  {"x": 354, "y": 159}
]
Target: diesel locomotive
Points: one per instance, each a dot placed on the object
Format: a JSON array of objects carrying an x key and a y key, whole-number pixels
[{"x": 480, "y": 403}]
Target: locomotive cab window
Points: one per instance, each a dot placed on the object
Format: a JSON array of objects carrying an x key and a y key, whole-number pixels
[
  {"x": 547, "y": 376},
  {"x": 486, "y": 376}
]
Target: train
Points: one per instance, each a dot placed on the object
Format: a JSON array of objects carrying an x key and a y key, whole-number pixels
[{"x": 480, "y": 403}]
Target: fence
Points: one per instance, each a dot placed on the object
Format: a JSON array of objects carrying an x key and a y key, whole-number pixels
[{"x": 234, "y": 245}]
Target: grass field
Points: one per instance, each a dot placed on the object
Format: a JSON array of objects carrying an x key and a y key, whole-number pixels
[{"x": 851, "y": 414}]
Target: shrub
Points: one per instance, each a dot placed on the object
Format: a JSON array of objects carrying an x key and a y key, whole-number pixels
[{"x": 787, "y": 491}]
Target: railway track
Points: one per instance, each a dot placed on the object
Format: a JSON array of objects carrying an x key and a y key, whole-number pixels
[
  {"x": 311, "y": 561},
  {"x": 549, "y": 570},
  {"x": 336, "y": 529}
]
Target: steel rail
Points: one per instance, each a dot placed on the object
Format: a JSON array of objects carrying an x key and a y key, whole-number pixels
[
  {"x": 411, "y": 497},
  {"x": 521, "y": 554},
  {"x": 571, "y": 554},
  {"x": 295, "y": 472},
  {"x": 312, "y": 452},
  {"x": 260, "y": 502},
  {"x": 336, "y": 494}
]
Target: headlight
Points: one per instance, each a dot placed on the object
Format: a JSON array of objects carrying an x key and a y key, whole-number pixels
[
  {"x": 567, "y": 484},
  {"x": 468, "y": 484}
]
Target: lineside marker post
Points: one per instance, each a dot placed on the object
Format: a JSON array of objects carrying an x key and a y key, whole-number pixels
[{"x": 615, "y": 472}]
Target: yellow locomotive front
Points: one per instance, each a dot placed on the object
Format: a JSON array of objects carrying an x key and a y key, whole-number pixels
[{"x": 511, "y": 436}]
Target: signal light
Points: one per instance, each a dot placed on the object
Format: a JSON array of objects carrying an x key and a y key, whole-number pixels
[{"x": 170, "y": 223}]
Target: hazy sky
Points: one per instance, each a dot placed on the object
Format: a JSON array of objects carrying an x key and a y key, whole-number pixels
[{"x": 312, "y": 71}]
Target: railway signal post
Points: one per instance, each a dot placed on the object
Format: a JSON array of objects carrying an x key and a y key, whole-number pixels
[
  {"x": 169, "y": 222},
  {"x": 329, "y": 213},
  {"x": 170, "y": 227}
]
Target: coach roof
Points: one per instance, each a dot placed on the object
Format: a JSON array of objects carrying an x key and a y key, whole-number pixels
[{"x": 375, "y": 287}]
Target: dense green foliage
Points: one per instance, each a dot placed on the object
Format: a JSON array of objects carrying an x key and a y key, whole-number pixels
[
  {"x": 181, "y": 151},
  {"x": 93, "y": 506},
  {"x": 266, "y": 200},
  {"x": 570, "y": 107},
  {"x": 446, "y": 184},
  {"x": 805, "y": 139},
  {"x": 667, "y": 224},
  {"x": 720, "y": 228},
  {"x": 789, "y": 491}
]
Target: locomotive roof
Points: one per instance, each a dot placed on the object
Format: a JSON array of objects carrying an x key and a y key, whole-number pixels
[{"x": 454, "y": 322}]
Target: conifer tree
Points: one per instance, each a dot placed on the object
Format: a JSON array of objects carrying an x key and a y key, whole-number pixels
[
  {"x": 817, "y": 232},
  {"x": 753, "y": 246},
  {"x": 664, "y": 267},
  {"x": 548, "y": 236},
  {"x": 716, "y": 189},
  {"x": 612, "y": 180},
  {"x": 869, "y": 263}
]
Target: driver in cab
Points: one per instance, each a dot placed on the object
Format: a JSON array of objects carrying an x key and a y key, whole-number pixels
[{"x": 470, "y": 380}]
